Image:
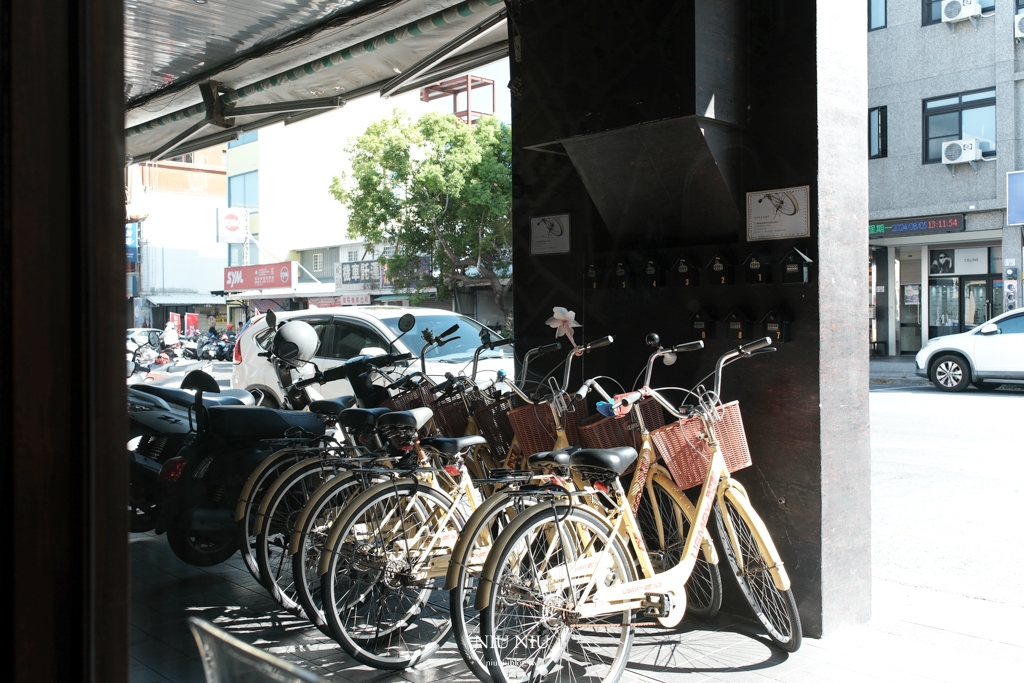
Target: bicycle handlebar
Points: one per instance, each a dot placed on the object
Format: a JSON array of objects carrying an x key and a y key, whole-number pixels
[
  {"x": 596, "y": 344},
  {"x": 487, "y": 346}
]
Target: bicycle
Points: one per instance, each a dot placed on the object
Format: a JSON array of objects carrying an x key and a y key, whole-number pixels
[{"x": 559, "y": 591}]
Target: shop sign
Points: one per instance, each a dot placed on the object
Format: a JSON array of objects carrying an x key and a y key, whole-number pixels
[
  {"x": 972, "y": 261},
  {"x": 910, "y": 227},
  {"x": 365, "y": 273},
  {"x": 265, "y": 276},
  {"x": 340, "y": 300},
  {"x": 191, "y": 324},
  {"x": 232, "y": 225},
  {"x": 131, "y": 242},
  {"x": 176, "y": 319}
]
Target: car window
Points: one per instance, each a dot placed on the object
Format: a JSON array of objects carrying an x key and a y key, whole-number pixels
[
  {"x": 349, "y": 339},
  {"x": 1012, "y": 325},
  {"x": 459, "y": 350},
  {"x": 264, "y": 338}
]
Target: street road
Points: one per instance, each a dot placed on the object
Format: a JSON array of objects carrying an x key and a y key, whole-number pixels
[{"x": 947, "y": 508}]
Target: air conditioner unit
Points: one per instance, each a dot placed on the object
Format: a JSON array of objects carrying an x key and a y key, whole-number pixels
[
  {"x": 960, "y": 10},
  {"x": 961, "y": 151},
  {"x": 1018, "y": 26}
]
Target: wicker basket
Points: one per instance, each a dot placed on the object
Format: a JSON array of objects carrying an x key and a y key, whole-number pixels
[
  {"x": 450, "y": 415},
  {"x": 534, "y": 427},
  {"x": 684, "y": 449},
  {"x": 609, "y": 432},
  {"x": 493, "y": 422},
  {"x": 416, "y": 397}
]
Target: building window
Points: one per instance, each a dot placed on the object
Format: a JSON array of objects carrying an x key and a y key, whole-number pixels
[
  {"x": 244, "y": 139},
  {"x": 1020, "y": 6},
  {"x": 353, "y": 255},
  {"x": 957, "y": 117},
  {"x": 876, "y": 14},
  {"x": 933, "y": 10},
  {"x": 318, "y": 262},
  {"x": 243, "y": 191},
  {"x": 877, "y": 145},
  {"x": 389, "y": 251}
]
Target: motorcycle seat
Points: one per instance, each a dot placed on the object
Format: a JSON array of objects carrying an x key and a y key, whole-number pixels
[
  {"x": 416, "y": 418},
  {"x": 261, "y": 423},
  {"x": 452, "y": 446},
  {"x": 559, "y": 458},
  {"x": 615, "y": 460},
  {"x": 332, "y": 406},
  {"x": 353, "y": 418},
  {"x": 180, "y": 397}
]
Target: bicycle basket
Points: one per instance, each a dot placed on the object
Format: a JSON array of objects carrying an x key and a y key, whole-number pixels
[
  {"x": 683, "y": 447},
  {"x": 609, "y": 432},
  {"x": 416, "y": 397},
  {"x": 534, "y": 427},
  {"x": 450, "y": 415},
  {"x": 494, "y": 424}
]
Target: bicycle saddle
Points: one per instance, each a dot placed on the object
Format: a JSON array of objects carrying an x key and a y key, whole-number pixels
[
  {"x": 353, "y": 418},
  {"x": 452, "y": 446},
  {"x": 416, "y": 418},
  {"x": 559, "y": 458},
  {"x": 615, "y": 460},
  {"x": 332, "y": 406}
]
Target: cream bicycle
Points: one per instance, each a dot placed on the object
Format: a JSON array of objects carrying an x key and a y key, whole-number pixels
[{"x": 559, "y": 591}]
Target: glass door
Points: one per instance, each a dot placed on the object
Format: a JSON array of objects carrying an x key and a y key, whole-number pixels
[
  {"x": 977, "y": 304},
  {"x": 943, "y": 306}
]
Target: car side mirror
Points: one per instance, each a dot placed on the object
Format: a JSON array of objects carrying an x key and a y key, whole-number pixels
[
  {"x": 372, "y": 351},
  {"x": 990, "y": 328}
]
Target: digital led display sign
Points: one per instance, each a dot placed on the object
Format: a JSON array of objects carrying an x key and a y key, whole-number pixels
[{"x": 906, "y": 227}]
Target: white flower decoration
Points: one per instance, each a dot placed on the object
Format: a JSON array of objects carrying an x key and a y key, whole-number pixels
[{"x": 563, "y": 321}]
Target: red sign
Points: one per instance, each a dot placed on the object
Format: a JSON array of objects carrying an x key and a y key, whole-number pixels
[
  {"x": 176, "y": 319},
  {"x": 191, "y": 324},
  {"x": 267, "y": 276}
]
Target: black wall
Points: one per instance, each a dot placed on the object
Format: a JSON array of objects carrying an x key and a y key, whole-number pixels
[{"x": 586, "y": 67}]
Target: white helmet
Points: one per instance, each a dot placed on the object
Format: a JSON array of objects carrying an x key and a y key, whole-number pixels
[{"x": 295, "y": 342}]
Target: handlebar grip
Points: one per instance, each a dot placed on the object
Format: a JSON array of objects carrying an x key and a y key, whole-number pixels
[
  {"x": 755, "y": 345},
  {"x": 400, "y": 384},
  {"x": 443, "y": 386},
  {"x": 454, "y": 328},
  {"x": 548, "y": 348},
  {"x": 598, "y": 343},
  {"x": 500, "y": 342},
  {"x": 333, "y": 374},
  {"x": 485, "y": 385},
  {"x": 688, "y": 346}
]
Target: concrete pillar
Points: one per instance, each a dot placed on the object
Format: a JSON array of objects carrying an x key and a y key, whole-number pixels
[{"x": 1012, "y": 258}]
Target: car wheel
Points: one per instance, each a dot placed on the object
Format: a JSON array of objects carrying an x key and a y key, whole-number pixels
[
  {"x": 951, "y": 373},
  {"x": 987, "y": 386}
]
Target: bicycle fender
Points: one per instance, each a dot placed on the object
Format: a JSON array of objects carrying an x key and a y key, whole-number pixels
[
  {"x": 462, "y": 549},
  {"x": 775, "y": 565},
  {"x": 243, "y": 498},
  {"x": 296, "y": 538},
  {"x": 665, "y": 479},
  {"x": 403, "y": 486}
]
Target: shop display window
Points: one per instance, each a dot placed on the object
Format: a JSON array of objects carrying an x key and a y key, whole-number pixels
[{"x": 943, "y": 306}]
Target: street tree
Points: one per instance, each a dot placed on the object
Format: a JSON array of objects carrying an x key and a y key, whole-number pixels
[{"x": 434, "y": 188}]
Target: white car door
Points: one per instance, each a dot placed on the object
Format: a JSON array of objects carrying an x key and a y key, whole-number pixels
[{"x": 1002, "y": 352}]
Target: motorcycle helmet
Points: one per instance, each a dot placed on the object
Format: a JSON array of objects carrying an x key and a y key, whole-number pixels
[{"x": 295, "y": 342}]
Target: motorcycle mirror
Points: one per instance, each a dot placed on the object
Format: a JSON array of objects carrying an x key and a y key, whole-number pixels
[
  {"x": 406, "y": 322},
  {"x": 154, "y": 339},
  {"x": 131, "y": 368},
  {"x": 271, "y": 320}
]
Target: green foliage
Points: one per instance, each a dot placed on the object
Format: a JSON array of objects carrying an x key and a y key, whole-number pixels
[{"x": 439, "y": 188}]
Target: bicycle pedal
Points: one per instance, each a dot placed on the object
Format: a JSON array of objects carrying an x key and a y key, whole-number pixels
[{"x": 656, "y": 605}]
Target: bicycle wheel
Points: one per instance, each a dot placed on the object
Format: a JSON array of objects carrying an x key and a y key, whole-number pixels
[
  {"x": 775, "y": 609},
  {"x": 665, "y": 546},
  {"x": 308, "y": 537},
  {"x": 382, "y": 589},
  {"x": 262, "y": 478},
  {"x": 279, "y": 510},
  {"x": 530, "y": 629},
  {"x": 481, "y": 532}
]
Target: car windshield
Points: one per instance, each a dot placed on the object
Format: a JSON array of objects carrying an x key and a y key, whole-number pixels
[{"x": 456, "y": 351}]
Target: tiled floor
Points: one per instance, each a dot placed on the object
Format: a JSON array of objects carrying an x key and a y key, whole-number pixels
[{"x": 165, "y": 592}]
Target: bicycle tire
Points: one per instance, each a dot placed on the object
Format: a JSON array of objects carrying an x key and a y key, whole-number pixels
[
  {"x": 704, "y": 587},
  {"x": 774, "y": 608},
  {"x": 465, "y": 617},
  {"x": 531, "y": 554},
  {"x": 280, "y": 508},
  {"x": 370, "y": 560},
  {"x": 323, "y": 509},
  {"x": 260, "y": 480}
]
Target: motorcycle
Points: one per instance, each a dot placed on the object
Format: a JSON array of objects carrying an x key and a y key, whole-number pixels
[
  {"x": 201, "y": 484},
  {"x": 190, "y": 348},
  {"x": 206, "y": 347}
]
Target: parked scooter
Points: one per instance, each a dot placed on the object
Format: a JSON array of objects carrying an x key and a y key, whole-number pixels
[{"x": 200, "y": 485}]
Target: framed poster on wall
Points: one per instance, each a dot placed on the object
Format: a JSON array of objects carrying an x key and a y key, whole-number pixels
[
  {"x": 779, "y": 214},
  {"x": 549, "y": 234}
]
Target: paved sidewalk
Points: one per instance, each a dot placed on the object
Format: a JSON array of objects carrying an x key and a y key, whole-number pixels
[{"x": 896, "y": 370}]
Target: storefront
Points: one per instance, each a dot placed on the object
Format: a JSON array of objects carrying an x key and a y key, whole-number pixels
[{"x": 930, "y": 277}]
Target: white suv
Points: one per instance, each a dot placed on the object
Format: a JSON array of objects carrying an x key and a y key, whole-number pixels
[
  {"x": 345, "y": 332},
  {"x": 987, "y": 356}
]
